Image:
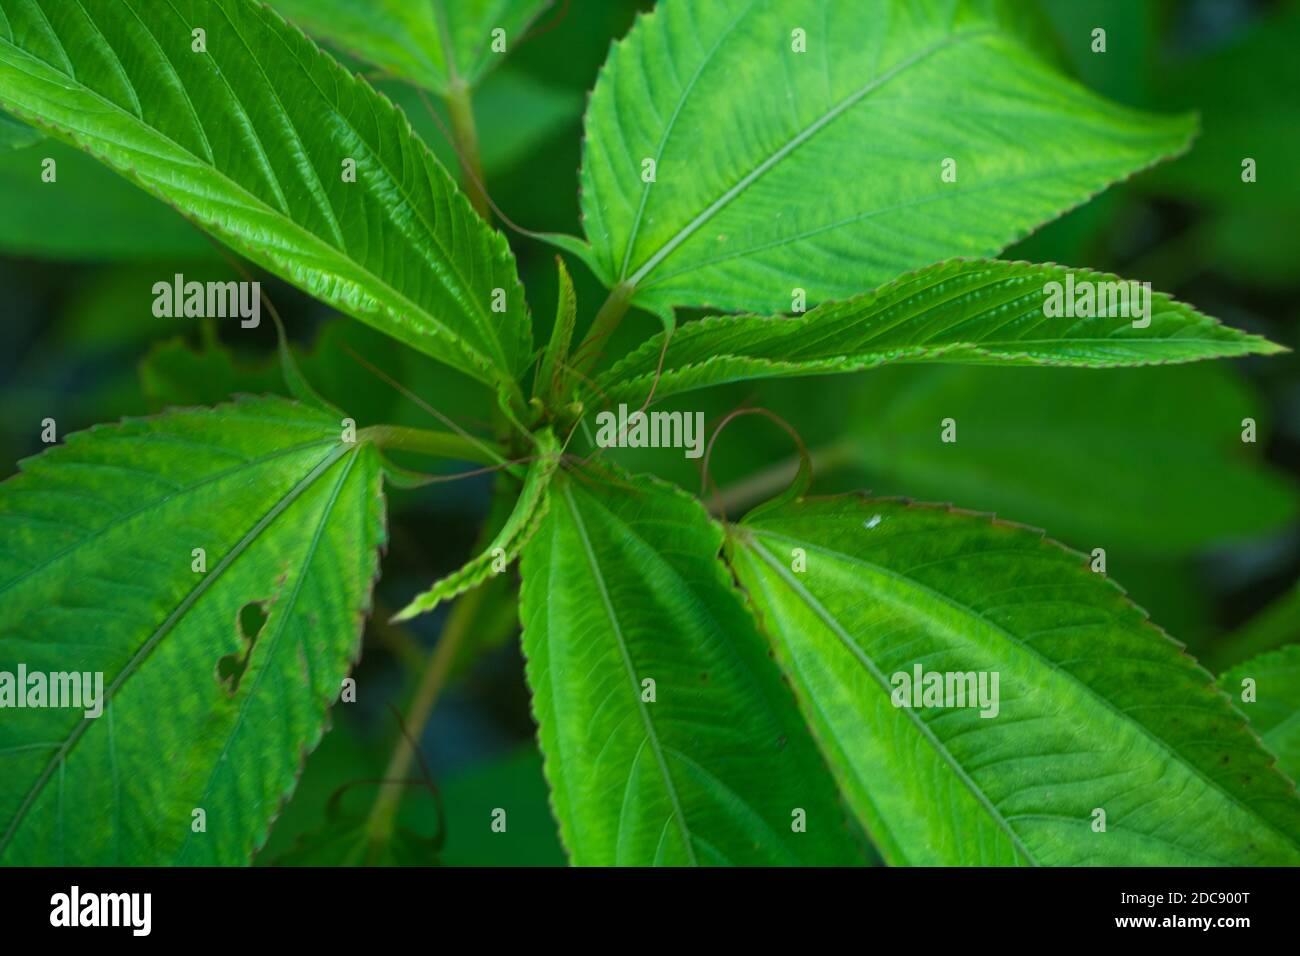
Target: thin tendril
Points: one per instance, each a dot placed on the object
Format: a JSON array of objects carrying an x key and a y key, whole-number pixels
[
  {"x": 706, "y": 479},
  {"x": 474, "y": 473}
]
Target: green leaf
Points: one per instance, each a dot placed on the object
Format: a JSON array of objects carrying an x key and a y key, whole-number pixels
[
  {"x": 1271, "y": 701},
  {"x": 1133, "y": 460},
  {"x": 1094, "y": 709},
  {"x": 262, "y": 166},
  {"x": 825, "y": 168},
  {"x": 1244, "y": 118},
  {"x": 412, "y": 38},
  {"x": 622, "y": 586},
  {"x": 172, "y": 373},
  {"x": 515, "y": 533},
  {"x": 16, "y": 135},
  {"x": 216, "y": 682},
  {"x": 91, "y": 213},
  {"x": 969, "y": 312},
  {"x": 549, "y": 386}
]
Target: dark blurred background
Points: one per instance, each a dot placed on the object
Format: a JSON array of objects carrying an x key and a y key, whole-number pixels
[{"x": 1149, "y": 464}]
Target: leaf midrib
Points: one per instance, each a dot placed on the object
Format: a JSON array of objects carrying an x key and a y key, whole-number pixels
[
  {"x": 1002, "y": 354},
  {"x": 1088, "y": 691},
  {"x": 860, "y": 655},
  {"x": 165, "y": 627},
  {"x": 157, "y": 503},
  {"x": 671, "y": 125},
  {"x": 790, "y": 146},
  {"x": 850, "y": 315},
  {"x": 947, "y": 196},
  {"x": 422, "y": 149},
  {"x": 325, "y": 513},
  {"x": 455, "y": 341},
  {"x": 652, "y": 736}
]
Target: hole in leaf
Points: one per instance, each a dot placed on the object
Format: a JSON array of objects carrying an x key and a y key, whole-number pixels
[{"x": 249, "y": 622}]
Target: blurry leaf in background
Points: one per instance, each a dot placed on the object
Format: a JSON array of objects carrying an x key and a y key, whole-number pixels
[
  {"x": 409, "y": 38},
  {"x": 342, "y": 362},
  {"x": 1276, "y": 625},
  {"x": 1274, "y": 711},
  {"x": 1248, "y": 93},
  {"x": 75, "y": 342},
  {"x": 108, "y": 312},
  {"x": 89, "y": 212},
  {"x": 570, "y": 43},
  {"x": 1252, "y": 245},
  {"x": 1133, "y": 31},
  {"x": 108, "y": 393},
  {"x": 1080, "y": 237},
  {"x": 1145, "y": 460},
  {"x": 1230, "y": 62},
  {"x": 1177, "y": 591},
  {"x": 1244, "y": 92},
  {"x": 515, "y": 784},
  {"x": 15, "y": 134},
  {"x": 176, "y": 373}
]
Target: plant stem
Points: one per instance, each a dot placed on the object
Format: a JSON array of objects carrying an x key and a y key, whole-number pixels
[
  {"x": 603, "y": 326},
  {"x": 383, "y": 815},
  {"x": 465, "y": 133},
  {"x": 396, "y": 638},
  {"x": 429, "y": 442},
  {"x": 766, "y": 482}
]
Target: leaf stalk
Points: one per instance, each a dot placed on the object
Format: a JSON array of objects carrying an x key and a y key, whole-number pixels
[
  {"x": 603, "y": 326},
  {"x": 439, "y": 444},
  {"x": 383, "y": 814},
  {"x": 465, "y": 133}
]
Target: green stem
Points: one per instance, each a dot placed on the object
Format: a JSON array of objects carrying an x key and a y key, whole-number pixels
[
  {"x": 429, "y": 442},
  {"x": 464, "y": 132},
  {"x": 603, "y": 326},
  {"x": 383, "y": 815},
  {"x": 396, "y": 638}
]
